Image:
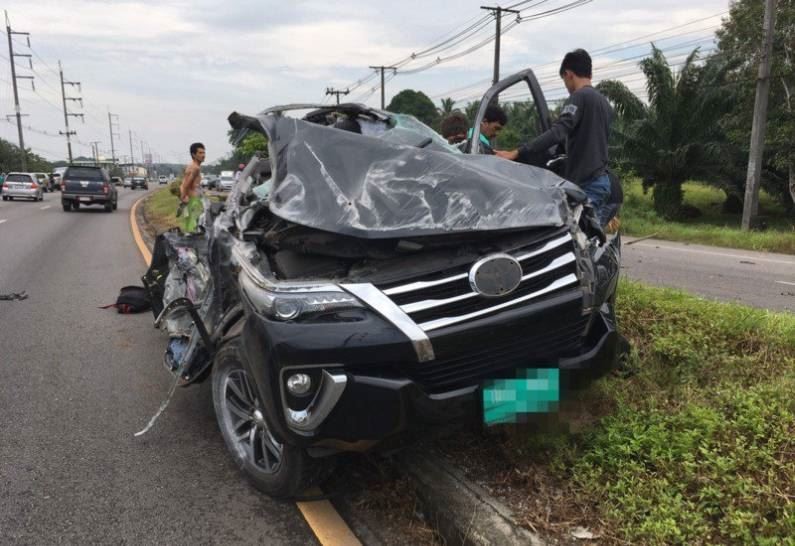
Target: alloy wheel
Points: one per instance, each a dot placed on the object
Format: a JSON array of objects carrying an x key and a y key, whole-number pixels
[{"x": 245, "y": 424}]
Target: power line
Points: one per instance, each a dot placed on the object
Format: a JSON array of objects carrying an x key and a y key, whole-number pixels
[
  {"x": 549, "y": 78},
  {"x": 466, "y": 34},
  {"x": 609, "y": 48}
]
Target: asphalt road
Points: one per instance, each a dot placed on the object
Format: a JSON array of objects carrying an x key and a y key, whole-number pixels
[
  {"x": 758, "y": 279},
  {"x": 78, "y": 381}
]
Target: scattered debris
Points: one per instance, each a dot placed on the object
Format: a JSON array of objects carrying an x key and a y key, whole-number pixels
[
  {"x": 747, "y": 262},
  {"x": 162, "y": 408},
  {"x": 652, "y": 236},
  {"x": 581, "y": 533},
  {"x": 19, "y": 296}
]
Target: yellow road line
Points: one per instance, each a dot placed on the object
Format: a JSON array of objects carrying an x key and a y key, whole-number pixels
[
  {"x": 137, "y": 233},
  {"x": 328, "y": 526}
]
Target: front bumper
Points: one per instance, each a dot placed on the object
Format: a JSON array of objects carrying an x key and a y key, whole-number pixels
[{"x": 387, "y": 391}]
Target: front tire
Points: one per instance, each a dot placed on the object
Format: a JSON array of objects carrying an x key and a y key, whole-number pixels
[{"x": 277, "y": 469}]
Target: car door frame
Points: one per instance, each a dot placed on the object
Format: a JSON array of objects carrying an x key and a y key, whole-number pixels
[{"x": 539, "y": 101}]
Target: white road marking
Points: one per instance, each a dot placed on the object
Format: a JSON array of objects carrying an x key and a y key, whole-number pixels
[
  {"x": 1, "y": 221},
  {"x": 787, "y": 283},
  {"x": 45, "y": 207},
  {"x": 724, "y": 254}
]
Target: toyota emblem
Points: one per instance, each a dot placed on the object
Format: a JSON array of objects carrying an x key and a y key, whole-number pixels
[{"x": 495, "y": 275}]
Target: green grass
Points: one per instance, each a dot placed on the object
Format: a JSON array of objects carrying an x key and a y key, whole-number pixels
[
  {"x": 713, "y": 227},
  {"x": 160, "y": 208},
  {"x": 698, "y": 445}
]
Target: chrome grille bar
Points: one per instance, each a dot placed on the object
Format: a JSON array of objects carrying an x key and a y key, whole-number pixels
[
  {"x": 430, "y": 304},
  {"x": 554, "y": 243},
  {"x": 449, "y": 321},
  {"x": 419, "y": 285}
]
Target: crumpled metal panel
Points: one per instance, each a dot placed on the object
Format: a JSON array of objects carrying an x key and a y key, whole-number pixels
[{"x": 364, "y": 186}]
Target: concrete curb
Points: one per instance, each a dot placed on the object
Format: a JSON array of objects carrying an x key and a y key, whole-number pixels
[{"x": 462, "y": 512}]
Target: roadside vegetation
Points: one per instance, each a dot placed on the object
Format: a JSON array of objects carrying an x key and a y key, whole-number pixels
[
  {"x": 694, "y": 443},
  {"x": 709, "y": 223},
  {"x": 160, "y": 208}
]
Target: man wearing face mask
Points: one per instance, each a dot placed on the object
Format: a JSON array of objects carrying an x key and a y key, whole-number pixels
[{"x": 583, "y": 126}]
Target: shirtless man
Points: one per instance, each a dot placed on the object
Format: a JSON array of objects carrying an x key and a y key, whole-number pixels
[
  {"x": 191, "y": 181},
  {"x": 190, "y": 188}
]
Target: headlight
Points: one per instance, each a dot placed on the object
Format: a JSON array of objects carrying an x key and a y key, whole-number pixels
[{"x": 289, "y": 301}]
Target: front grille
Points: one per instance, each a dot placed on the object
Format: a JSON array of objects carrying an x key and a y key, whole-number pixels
[
  {"x": 539, "y": 343},
  {"x": 446, "y": 298}
]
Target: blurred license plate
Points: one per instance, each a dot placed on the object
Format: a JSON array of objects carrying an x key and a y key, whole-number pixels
[
  {"x": 85, "y": 199},
  {"x": 534, "y": 390}
]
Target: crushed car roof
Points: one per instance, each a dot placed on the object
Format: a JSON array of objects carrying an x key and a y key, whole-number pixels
[{"x": 365, "y": 186}]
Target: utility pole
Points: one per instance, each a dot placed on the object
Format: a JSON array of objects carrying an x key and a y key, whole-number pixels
[
  {"x": 132, "y": 155},
  {"x": 66, "y": 113},
  {"x": 14, "y": 78},
  {"x": 112, "y": 134},
  {"x": 382, "y": 68},
  {"x": 497, "y": 12},
  {"x": 759, "y": 127},
  {"x": 95, "y": 150},
  {"x": 337, "y": 92}
]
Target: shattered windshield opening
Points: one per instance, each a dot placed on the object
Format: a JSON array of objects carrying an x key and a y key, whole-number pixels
[{"x": 409, "y": 130}]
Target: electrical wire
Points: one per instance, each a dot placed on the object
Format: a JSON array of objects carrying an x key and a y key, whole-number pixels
[
  {"x": 611, "y": 48},
  {"x": 462, "y": 36}
]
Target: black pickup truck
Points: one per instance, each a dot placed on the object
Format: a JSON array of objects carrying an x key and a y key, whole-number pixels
[{"x": 87, "y": 186}]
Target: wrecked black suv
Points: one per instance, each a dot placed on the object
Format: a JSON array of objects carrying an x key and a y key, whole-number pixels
[{"x": 365, "y": 279}]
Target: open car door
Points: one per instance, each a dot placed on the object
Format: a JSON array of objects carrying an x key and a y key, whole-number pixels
[{"x": 552, "y": 158}]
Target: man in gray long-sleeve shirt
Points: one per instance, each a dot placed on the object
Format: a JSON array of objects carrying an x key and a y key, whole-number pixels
[{"x": 583, "y": 125}]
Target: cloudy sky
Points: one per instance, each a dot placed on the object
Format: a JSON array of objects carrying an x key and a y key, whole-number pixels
[{"x": 173, "y": 71}]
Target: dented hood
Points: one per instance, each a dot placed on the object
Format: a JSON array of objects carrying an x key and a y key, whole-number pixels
[{"x": 367, "y": 187}]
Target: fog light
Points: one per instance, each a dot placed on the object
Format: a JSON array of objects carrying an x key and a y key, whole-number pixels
[
  {"x": 287, "y": 309},
  {"x": 299, "y": 383}
]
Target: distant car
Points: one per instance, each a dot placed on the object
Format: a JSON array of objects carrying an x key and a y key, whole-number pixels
[
  {"x": 226, "y": 181},
  {"x": 22, "y": 185},
  {"x": 44, "y": 181},
  {"x": 205, "y": 182},
  {"x": 55, "y": 181},
  {"x": 83, "y": 185},
  {"x": 117, "y": 181},
  {"x": 139, "y": 182},
  {"x": 162, "y": 179},
  {"x": 127, "y": 182}
]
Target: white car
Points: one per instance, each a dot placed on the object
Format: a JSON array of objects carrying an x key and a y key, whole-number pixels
[
  {"x": 162, "y": 179},
  {"x": 22, "y": 185},
  {"x": 226, "y": 181},
  {"x": 127, "y": 182}
]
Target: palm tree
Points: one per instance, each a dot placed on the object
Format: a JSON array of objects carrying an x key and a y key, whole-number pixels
[
  {"x": 677, "y": 135},
  {"x": 471, "y": 111},
  {"x": 447, "y": 108}
]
